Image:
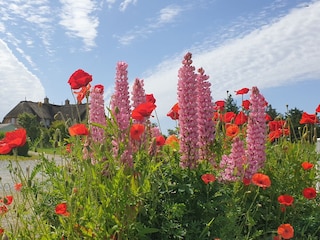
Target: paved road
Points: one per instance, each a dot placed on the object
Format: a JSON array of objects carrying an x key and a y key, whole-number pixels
[{"x": 6, "y": 182}]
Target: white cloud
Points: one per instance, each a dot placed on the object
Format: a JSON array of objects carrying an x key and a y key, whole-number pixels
[
  {"x": 2, "y": 27},
  {"x": 165, "y": 16},
  {"x": 127, "y": 39},
  {"x": 77, "y": 17},
  {"x": 168, "y": 13},
  {"x": 282, "y": 52},
  {"x": 24, "y": 18},
  {"x": 110, "y": 3},
  {"x": 37, "y": 13},
  {"x": 17, "y": 82},
  {"x": 125, "y": 4}
]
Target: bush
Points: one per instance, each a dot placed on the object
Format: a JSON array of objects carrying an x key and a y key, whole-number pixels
[{"x": 23, "y": 151}]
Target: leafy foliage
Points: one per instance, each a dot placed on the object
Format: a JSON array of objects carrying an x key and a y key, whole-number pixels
[{"x": 31, "y": 124}]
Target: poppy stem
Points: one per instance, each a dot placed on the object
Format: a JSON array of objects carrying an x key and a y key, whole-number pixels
[
  {"x": 248, "y": 211},
  {"x": 155, "y": 113},
  {"x": 78, "y": 112}
]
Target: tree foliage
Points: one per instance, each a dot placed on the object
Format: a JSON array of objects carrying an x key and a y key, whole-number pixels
[
  {"x": 272, "y": 112},
  {"x": 31, "y": 124},
  {"x": 231, "y": 104}
]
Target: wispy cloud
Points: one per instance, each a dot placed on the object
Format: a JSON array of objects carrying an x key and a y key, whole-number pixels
[
  {"x": 281, "y": 52},
  {"x": 19, "y": 19},
  {"x": 165, "y": 16},
  {"x": 16, "y": 81},
  {"x": 123, "y": 4},
  {"x": 110, "y": 3},
  {"x": 78, "y": 19}
]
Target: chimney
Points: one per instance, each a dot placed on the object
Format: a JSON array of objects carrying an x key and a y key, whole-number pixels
[
  {"x": 67, "y": 102},
  {"x": 46, "y": 100}
]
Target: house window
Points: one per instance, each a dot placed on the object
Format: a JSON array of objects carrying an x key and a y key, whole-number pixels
[{"x": 13, "y": 120}]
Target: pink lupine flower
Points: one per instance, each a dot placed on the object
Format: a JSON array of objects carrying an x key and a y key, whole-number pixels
[
  {"x": 155, "y": 132},
  {"x": 120, "y": 107},
  {"x": 120, "y": 103},
  {"x": 256, "y": 133},
  {"x": 232, "y": 164},
  {"x": 187, "y": 90},
  {"x": 97, "y": 113},
  {"x": 138, "y": 93},
  {"x": 205, "y": 111}
]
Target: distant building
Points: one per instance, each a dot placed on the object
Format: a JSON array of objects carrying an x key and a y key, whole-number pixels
[{"x": 46, "y": 112}]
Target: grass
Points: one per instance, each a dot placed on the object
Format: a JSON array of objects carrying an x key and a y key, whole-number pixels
[
  {"x": 32, "y": 155},
  {"x": 20, "y": 158},
  {"x": 47, "y": 150}
]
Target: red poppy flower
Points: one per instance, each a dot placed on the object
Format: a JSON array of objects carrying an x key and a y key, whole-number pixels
[
  {"x": 242, "y": 91},
  {"x": 246, "y": 181},
  {"x": 18, "y": 186},
  {"x": 309, "y": 193},
  {"x": 286, "y": 131},
  {"x": 136, "y": 131},
  {"x": 273, "y": 135},
  {"x": 160, "y": 140},
  {"x": 16, "y": 138},
  {"x": 276, "y": 124},
  {"x": 208, "y": 178},
  {"x": 99, "y": 88},
  {"x": 318, "y": 109},
  {"x": 78, "y": 129},
  {"x": 216, "y": 116},
  {"x": 286, "y": 200},
  {"x": 219, "y": 105},
  {"x": 232, "y": 130},
  {"x": 307, "y": 165},
  {"x": 1, "y": 232},
  {"x": 143, "y": 110},
  {"x": 308, "y": 118},
  {"x": 268, "y": 117},
  {"x": 228, "y": 117},
  {"x": 150, "y": 98},
  {"x": 82, "y": 93},
  {"x": 246, "y": 104},
  {"x": 261, "y": 180},
  {"x": 286, "y": 231},
  {"x": 7, "y": 200},
  {"x": 4, "y": 148},
  {"x": 79, "y": 79},
  {"x": 174, "y": 112},
  {"x": 3, "y": 209},
  {"x": 61, "y": 209},
  {"x": 241, "y": 118},
  {"x": 68, "y": 148}
]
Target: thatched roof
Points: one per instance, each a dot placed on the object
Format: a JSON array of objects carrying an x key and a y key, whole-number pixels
[{"x": 47, "y": 111}]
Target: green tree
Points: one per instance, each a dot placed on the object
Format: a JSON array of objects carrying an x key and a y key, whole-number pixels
[
  {"x": 272, "y": 112},
  {"x": 231, "y": 104},
  {"x": 31, "y": 124},
  {"x": 59, "y": 131}
]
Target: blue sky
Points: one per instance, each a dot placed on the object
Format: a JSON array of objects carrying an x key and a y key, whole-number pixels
[{"x": 271, "y": 44}]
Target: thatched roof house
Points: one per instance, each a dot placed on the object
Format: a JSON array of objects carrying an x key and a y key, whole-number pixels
[{"x": 46, "y": 112}]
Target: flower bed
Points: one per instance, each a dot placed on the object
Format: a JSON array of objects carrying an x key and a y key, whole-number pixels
[{"x": 220, "y": 177}]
